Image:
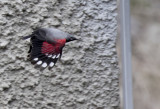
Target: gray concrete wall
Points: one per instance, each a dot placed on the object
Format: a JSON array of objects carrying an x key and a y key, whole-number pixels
[{"x": 87, "y": 75}]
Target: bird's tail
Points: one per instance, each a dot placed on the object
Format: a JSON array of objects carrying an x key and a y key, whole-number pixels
[{"x": 26, "y": 37}]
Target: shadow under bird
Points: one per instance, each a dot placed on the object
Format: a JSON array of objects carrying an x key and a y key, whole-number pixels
[{"x": 46, "y": 46}]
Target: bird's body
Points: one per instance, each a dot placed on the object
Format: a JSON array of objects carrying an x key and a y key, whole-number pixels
[{"x": 46, "y": 46}]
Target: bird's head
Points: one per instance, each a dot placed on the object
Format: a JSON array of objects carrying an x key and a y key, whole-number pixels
[{"x": 70, "y": 38}]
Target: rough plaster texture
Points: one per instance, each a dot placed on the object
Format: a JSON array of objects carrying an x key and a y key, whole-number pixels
[{"x": 87, "y": 75}]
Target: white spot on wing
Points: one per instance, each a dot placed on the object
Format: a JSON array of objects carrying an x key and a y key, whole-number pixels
[
  {"x": 35, "y": 59},
  {"x": 58, "y": 56},
  {"x": 51, "y": 64},
  {"x": 44, "y": 65},
  {"x": 50, "y": 56},
  {"x": 54, "y": 56},
  {"x": 39, "y": 62}
]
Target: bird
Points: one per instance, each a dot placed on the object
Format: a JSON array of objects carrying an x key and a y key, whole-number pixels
[{"x": 46, "y": 46}]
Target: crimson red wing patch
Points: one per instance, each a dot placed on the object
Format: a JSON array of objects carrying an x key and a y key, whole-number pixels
[{"x": 46, "y": 54}]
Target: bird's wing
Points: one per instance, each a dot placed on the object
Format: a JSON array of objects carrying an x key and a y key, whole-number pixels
[
  {"x": 40, "y": 34},
  {"x": 45, "y": 53}
]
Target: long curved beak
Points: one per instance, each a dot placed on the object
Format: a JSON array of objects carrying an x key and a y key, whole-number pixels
[{"x": 79, "y": 39}]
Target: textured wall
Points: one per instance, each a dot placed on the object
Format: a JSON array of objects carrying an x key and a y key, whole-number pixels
[{"x": 87, "y": 75}]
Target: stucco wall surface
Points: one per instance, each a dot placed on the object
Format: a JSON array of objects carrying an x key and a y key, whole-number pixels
[{"x": 87, "y": 75}]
